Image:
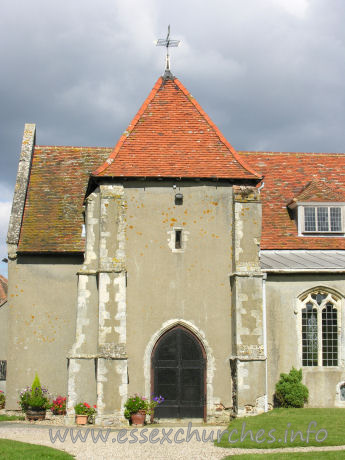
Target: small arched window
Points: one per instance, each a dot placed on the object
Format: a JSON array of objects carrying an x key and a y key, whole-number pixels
[{"x": 320, "y": 319}]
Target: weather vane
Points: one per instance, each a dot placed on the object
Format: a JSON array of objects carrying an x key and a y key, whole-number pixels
[{"x": 167, "y": 42}]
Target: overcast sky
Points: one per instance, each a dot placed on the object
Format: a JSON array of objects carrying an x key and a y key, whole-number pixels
[{"x": 270, "y": 73}]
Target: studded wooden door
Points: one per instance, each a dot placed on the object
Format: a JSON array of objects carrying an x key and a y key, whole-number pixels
[{"x": 178, "y": 368}]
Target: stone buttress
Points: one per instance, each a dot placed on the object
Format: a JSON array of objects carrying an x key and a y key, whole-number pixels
[
  {"x": 248, "y": 356},
  {"x": 98, "y": 359}
]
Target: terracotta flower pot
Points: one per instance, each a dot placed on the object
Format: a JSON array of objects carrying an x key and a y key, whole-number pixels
[
  {"x": 138, "y": 419},
  {"x": 81, "y": 419},
  {"x": 36, "y": 414}
]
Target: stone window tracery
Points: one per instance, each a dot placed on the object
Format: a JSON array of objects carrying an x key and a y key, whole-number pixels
[{"x": 320, "y": 318}]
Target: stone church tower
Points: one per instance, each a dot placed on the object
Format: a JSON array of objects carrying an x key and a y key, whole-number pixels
[{"x": 170, "y": 291}]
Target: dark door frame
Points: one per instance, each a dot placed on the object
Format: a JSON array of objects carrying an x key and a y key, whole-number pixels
[{"x": 185, "y": 329}]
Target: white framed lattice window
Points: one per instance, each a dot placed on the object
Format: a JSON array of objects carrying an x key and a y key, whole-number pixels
[
  {"x": 321, "y": 218},
  {"x": 320, "y": 328}
]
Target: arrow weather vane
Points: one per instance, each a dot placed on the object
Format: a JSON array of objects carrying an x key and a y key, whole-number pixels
[{"x": 167, "y": 42}]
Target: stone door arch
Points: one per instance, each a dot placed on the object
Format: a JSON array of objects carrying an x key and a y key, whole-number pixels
[{"x": 178, "y": 366}]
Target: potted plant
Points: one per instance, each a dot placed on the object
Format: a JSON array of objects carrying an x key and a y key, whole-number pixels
[
  {"x": 35, "y": 401},
  {"x": 155, "y": 401},
  {"x": 2, "y": 399},
  {"x": 137, "y": 407},
  {"x": 84, "y": 413},
  {"x": 59, "y": 406}
]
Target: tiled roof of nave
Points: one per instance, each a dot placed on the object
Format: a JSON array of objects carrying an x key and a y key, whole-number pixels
[
  {"x": 285, "y": 176},
  {"x": 53, "y": 213}
]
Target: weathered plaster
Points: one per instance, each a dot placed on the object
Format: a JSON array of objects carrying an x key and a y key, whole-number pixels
[
  {"x": 104, "y": 315},
  {"x": 3, "y": 337},
  {"x": 120, "y": 300},
  {"x": 91, "y": 229},
  {"x": 248, "y": 363},
  {"x": 73, "y": 370},
  {"x": 41, "y": 321},
  {"x": 23, "y": 174},
  {"x": 83, "y": 320}
]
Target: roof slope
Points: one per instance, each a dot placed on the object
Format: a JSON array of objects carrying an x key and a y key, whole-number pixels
[
  {"x": 317, "y": 191},
  {"x": 171, "y": 136},
  {"x": 304, "y": 261},
  {"x": 53, "y": 213},
  {"x": 284, "y": 176}
]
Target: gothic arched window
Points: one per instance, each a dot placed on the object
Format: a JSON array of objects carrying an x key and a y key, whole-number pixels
[{"x": 320, "y": 319}]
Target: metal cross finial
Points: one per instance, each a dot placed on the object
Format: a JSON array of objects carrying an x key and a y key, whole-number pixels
[{"x": 167, "y": 42}]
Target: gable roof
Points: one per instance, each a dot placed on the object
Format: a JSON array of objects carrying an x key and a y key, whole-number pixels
[
  {"x": 284, "y": 175},
  {"x": 171, "y": 136},
  {"x": 53, "y": 212},
  {"x": 317, "y": 191}
]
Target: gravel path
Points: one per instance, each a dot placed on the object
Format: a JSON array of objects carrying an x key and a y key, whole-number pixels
[{"x": 113, "y": 449}]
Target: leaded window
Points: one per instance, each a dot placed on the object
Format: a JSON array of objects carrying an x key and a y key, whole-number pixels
[
  {"x": 323, "y": 219},
  {"x": 329, "y": 336},
  {"x": 309, "y": 336},
  {"x": 3, "y": 370},
  {"x": 320, "y": 320}
]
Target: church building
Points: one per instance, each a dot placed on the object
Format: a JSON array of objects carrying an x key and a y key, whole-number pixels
[{"x": 175, "y": 265}]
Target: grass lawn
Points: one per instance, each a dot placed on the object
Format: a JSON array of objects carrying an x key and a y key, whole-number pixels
[
  {"x": 8, "y": 418},
  {"x": 10, "y": 450},
  {"x": 284, "y": 427},
  {"x": 295, "y": 456}
]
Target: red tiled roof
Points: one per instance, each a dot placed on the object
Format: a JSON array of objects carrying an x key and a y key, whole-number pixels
[
  {"x": 3, "y": 290},
  {"x": 53, "y": 213},
  {"x": 317, "y": 191},
  {"x": 171, "y": 136},
  {"x": 285, "y": 174}
]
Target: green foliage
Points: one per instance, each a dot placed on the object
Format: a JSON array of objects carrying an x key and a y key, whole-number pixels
[
  {"x": 84, "y": 408},
  {"x": 336, "y": 455},
  {"x": 9, "y": 418},
  {"x": 58, "y": 406},
  {"x": 21, "y": 450},
  {"x": 2, "y": 398},
  {"x": 134, "y": 404},
  {"x": 284, "y": 424},
  {"x": 290, "y": 391},
  {"x": 34, "y": 397},
  {"x": 36, "y": 385}
]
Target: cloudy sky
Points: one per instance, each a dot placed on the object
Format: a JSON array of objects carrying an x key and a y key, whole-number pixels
[{"x": 270, "y": 73}]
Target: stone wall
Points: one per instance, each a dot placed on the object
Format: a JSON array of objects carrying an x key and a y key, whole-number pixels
[
  {"x": 42, "y": 293},
  {"x": 3, "y": 338},
  {"x": 284, "y": 336},
  {"x": 248, "y": 354}
]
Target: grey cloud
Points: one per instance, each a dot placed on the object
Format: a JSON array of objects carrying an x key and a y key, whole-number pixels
[{"x": 269, "y": 78}]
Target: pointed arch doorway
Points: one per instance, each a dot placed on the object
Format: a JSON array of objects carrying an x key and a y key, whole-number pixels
[{"x": 178, "y": 365}]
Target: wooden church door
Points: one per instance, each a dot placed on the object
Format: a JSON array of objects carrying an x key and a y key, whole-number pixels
[{"x": 178, "y": 368}]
